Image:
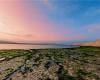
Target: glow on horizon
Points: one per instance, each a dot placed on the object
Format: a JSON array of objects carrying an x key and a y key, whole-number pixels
[{"x": 29, "y": 21}]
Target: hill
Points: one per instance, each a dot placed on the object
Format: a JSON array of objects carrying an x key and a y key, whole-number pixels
[
  {"x": 6, "y": 42},
  {"x": 95, "y": 43}
]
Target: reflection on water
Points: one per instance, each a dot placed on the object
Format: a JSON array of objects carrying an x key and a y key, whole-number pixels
[{"x": 23, "y": 46}]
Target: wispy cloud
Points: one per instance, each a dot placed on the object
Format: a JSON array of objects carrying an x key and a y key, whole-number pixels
[
  {"x": 34, "y": 21},
  {"x": 24, "y": 26},
  {"x": 48, "y": 4},
  {"x": 94, "y": 28},
  {"x": 13, "y": 37}
]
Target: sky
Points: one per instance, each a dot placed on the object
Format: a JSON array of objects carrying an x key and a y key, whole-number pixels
[{"x": 49, "y": 20}]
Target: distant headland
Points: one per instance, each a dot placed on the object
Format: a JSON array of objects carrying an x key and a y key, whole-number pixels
[{"x": 94, "y": 43}]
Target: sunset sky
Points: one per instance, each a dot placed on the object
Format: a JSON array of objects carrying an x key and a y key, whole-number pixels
[{"x": 49, "y": 20}]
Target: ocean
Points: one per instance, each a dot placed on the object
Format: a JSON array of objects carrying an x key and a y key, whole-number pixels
[{"x": 26, "y": 46}]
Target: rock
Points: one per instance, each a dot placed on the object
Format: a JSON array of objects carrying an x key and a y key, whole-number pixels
[{"x": 1, "y": 59}]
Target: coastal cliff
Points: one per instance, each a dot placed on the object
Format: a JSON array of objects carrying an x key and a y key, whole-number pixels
[{"x": 95, "y": 43}]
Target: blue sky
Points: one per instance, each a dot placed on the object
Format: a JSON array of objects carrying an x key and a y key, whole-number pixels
[
  {"x": 77, "y": 10},
  {"x": 50, "y": 20},
  {"x": 82, "y": 16}
]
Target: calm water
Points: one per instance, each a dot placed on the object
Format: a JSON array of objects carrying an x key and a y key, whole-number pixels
[{"x": 22, "y": 46}]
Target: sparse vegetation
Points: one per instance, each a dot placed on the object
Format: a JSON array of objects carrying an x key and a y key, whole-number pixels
[{"x": 80, "y": 63}]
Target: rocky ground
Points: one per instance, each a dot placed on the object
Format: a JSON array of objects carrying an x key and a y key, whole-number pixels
[{"x": 81, "y": 63}]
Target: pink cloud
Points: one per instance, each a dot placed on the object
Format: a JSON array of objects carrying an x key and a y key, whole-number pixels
[
  {"x": 13, "y": 37},
  {"x": 45, "y": 1},
  {"x": 20, "y": 25},
  {"x": 75, "y": 37},
  {"x": 48, "y": 4},
  {"x": 94, "y": 28}
]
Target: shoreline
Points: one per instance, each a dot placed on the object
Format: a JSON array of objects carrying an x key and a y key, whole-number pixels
[{"x": 55, "y": 48}]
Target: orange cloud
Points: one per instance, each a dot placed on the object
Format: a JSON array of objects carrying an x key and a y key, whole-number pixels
[{"x": 12, "y": 37}]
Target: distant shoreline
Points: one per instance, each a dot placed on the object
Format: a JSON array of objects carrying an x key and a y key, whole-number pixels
[
  {"x": 54, "y": 48},
  {"x": 34, "y": 46},
  {"x": 40, "y": 44}
]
